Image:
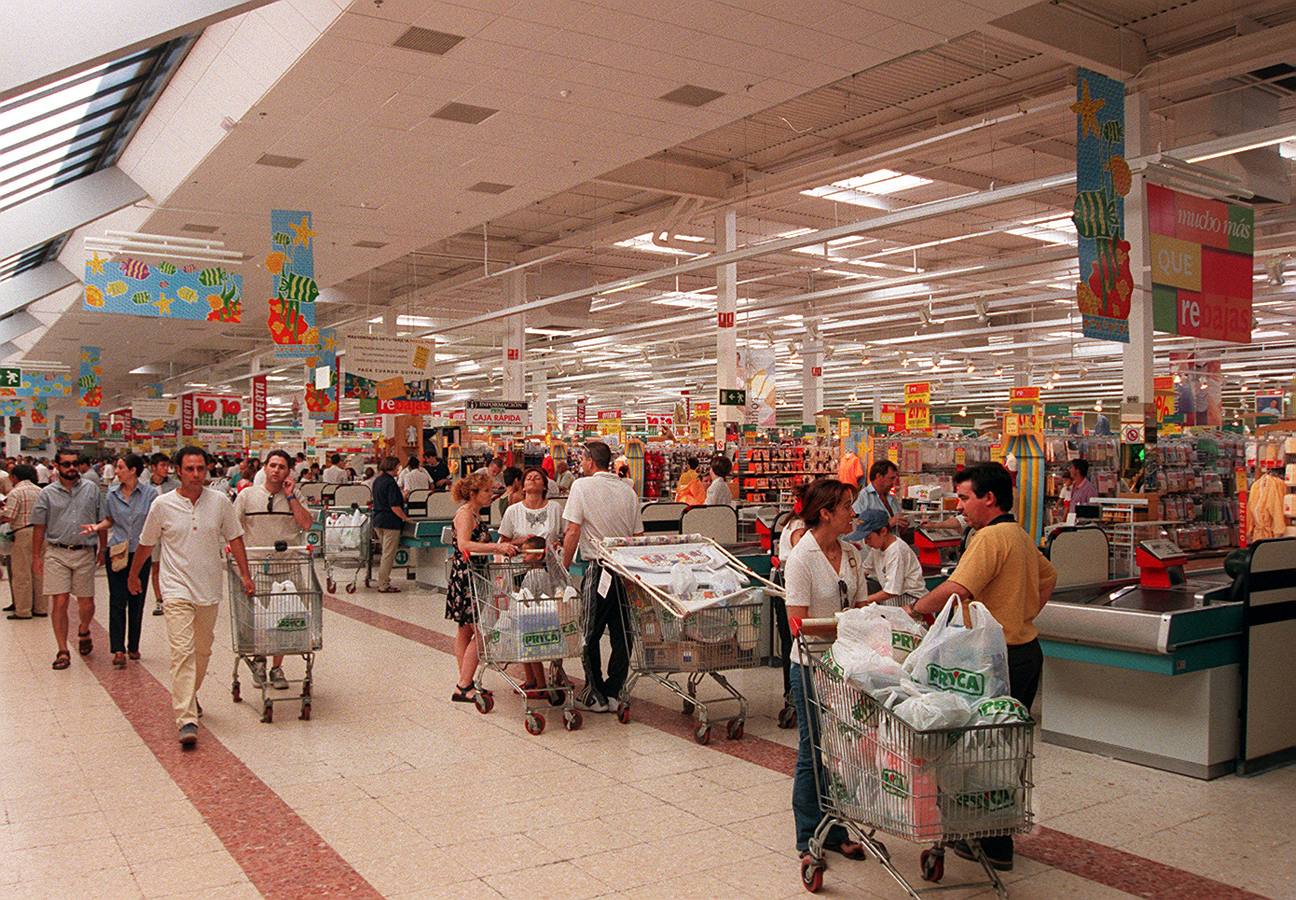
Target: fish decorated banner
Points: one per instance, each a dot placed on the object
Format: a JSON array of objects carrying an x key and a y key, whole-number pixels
[
  {"x": 153, "y": 390},
  {"x": 40, "y": 411},
  {"x": 291, "y": 265},
  {"x": 88, "y": 385},
  {"x": 1103, "y": 179},
  {"x": 11, "y": 407},
  {"x": 46, "y": 384},
  {"x": 322, "y": 403},
  {"x": 165, "y": 290}
]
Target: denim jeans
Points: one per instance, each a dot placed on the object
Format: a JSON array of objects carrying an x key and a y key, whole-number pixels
[{"x": 805, "y": 795}]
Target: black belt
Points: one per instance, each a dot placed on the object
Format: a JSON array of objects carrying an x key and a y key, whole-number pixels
[{"x": 69, "y": 546}]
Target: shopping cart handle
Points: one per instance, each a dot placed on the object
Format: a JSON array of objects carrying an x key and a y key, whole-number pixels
[
  {"x": 827, "y": 626},
  {"x": 279, "y": 547}
]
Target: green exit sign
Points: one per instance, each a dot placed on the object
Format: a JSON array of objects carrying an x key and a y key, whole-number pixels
[
  {"x": 732, "y": 397},
  {"x": 10, "y": 377}
]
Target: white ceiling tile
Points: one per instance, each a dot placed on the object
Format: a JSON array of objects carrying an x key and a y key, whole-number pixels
[
  {"x": 902, "y": 38},
  {"x": 320, "y": 13},
  {"x": 343, "y": 49},
  {"x": 289, "y": 24},
  {"x": 519, "y": 32},
  {"x": 367, "y": 28}
]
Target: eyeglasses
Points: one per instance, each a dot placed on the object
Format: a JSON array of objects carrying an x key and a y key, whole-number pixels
[
  {"x": 64, "y": 465},
  {"x": 844, "y": 593},
  {"x": 270, "y": 503}
]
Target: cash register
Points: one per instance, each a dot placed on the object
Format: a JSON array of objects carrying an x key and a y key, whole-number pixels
[{"x": 936, "y": 547}]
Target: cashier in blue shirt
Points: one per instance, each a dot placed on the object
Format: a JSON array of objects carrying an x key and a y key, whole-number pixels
[{"x": 883, "y": 476}]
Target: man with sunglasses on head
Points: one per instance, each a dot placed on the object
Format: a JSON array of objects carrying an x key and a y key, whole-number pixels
[
  {"x": 270, "y": 512},
  {"x": 62, "y": 555},
  {"x": 163, "y": 482}
]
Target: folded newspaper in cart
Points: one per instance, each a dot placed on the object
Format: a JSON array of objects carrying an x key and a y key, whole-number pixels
[{"x": 697, "y": 576}]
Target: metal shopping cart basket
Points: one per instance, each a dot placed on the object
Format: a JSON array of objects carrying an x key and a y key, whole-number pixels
[
  {"x": 876, "y": 772},
  {"x": 700, "y": 637},
  {"x": 528, "y": 611},
  {"x": 348, "y": 543},
  {"x": 284, "y": 617}
]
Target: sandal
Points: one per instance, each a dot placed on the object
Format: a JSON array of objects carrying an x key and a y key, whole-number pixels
[
  {"x": 390, "y": 589},
  {"x": 84, "y": 644},
  {"x": 849, "y": 849},
  {"x": 462, "y": 695},
  {"x": 62, "y": 660}
]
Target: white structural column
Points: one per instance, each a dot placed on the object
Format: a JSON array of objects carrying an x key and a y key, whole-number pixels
[
  {"x": 391, "y": 324},
  {"x": 726, "y": 239},
  {"x": 540, "y": 401},
  {"x": 1138, "y": 354},
  {"x": 515, "y": 338},
  {"x": 812, "y": 394}
]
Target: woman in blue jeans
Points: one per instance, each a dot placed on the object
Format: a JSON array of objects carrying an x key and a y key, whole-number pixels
[{"x": 823, "y": 575}]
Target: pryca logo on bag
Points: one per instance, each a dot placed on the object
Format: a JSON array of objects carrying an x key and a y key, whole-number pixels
[
  {"x": 958, "y": 680},
  {"x": 895, "y": 783}
]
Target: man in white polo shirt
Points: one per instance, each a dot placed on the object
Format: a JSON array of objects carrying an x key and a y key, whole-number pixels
[
  {"x": 268, "y": 513},
  {"x": 601, "y": 505},
  {"x": 191, "y": 524}
]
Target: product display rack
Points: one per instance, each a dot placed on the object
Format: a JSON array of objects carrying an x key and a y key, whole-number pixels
[
  {"x": 1101, "y": 452},
  {"x": 1194, "y": 478},
  {"x": 769, "y": 472}
]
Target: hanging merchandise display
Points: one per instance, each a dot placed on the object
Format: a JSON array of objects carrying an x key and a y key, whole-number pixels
[
  {"x": 1102, "y": 181},
  {"x": 291, "y": 264},
  {"x": 89, "y": 387},
  {"x": 1201, "y": 265},
  {"x": 167, "y": 290}
]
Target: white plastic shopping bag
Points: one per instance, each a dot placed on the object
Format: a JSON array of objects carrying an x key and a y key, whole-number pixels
[
  {"x": 982, "y": 778},
  {"x": 887, "y": 629},
  {"x": 971, "y": 661}
]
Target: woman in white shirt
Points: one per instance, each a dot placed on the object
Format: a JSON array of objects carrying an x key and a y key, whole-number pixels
[
  {"x": 824, "y": 575},
  {"x": 533, "y": 514},
  {"x": 891, "y": 562},
  {"x": 414, "y": 478},
  {"x": 718, "y": 494}
]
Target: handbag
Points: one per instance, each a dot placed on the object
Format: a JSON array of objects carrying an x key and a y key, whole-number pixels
[{"x": 119, "y": 555}]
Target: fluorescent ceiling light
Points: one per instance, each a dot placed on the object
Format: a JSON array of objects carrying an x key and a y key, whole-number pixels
[
  {"x": 1057, "y": 230},
  {"x": 686, "y": 300},
  {"x": 863, "y": 190},
  {"x": 1261, "y": 335},
  {"x": 645, "y": 243}
]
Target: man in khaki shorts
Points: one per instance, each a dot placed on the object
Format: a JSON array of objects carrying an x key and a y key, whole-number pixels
[
  {"x": 28, "y": 596},
  {"x": 62, "y": 555}
]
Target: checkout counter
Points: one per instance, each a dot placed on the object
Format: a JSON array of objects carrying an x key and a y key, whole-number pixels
[
  {"x": 423, "y": 546},
  {"x": 1173, "y": 670}
]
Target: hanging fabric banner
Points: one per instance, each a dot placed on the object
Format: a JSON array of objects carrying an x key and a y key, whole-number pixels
[
  {"x": 259, "y": 403},
  {"x": 1102, "y": 182},
  {"x": 40, "y": 411},
  {"x": 166, "y": 290},
  {"x": 11, "y": 407},
  {"x": 291, "y": 264},
  {"x": 88, "y": 386},
  {"x": 153, "y": 390},
  {"x": 46, "y": 384},
  {"x": 322, "y": 402}
]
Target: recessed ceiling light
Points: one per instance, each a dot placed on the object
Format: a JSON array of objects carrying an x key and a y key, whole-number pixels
[
  {"x": 490, "y": 187},
  {"x": 425, "y": 40},
  {"x": 465, "y": 113},
  {"x": 691, "y": 95},
  {"x": 281, "y": 162}
]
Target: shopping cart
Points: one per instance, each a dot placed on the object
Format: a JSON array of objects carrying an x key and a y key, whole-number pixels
[
  {"x": 699, "y": 637},
  {"x": 348, "y": 542},
  {"x": 528, "y": 611},
  {"x": 878, "y": 773},
  {"x": 284, "y": 617}
]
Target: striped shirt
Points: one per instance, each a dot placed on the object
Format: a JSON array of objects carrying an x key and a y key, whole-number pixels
[{"x": 18, "y": 505}]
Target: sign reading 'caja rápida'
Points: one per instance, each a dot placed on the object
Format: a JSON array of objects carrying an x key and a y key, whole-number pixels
[{"x": 497, "y": 413}]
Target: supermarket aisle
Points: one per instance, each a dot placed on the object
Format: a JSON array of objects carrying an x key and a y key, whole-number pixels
[{"x": 390, "y": 789}]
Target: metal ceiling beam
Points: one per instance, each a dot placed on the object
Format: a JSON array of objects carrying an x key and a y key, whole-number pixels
[
  {"x": 15, "y": 326},
  {"x": 53, "y": 40},
  {"x": 22, "y": 290},
  {"x": 1073, "y": 37},
  {"x": 676, "y": 179},
  {"x": 66, "y": 208}
]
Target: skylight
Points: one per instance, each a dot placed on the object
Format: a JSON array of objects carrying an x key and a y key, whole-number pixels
[
  {"x": 1056, "y": 230},
  {"x": 863, "y": 190}
]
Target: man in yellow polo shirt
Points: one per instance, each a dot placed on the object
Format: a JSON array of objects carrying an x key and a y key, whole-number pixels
[{"x": 1003, "y": 569}]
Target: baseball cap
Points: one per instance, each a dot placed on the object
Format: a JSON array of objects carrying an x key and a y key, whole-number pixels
[{"x": 872, "y": 520}]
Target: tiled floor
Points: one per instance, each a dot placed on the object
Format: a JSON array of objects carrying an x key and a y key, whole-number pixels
[{"x": 392, "y": 790}]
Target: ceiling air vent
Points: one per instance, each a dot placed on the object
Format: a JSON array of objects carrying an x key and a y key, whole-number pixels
[
  {"x": 425, "y": 40},
  {"x": 490, "y": 187},
  {"x": 281, "y": 162},
  {"x": 200, "y": 229},
  {"x": 370, "y": 245},
  {"x": 691, "y": 95},
  {"x": 464, "y": 112}
]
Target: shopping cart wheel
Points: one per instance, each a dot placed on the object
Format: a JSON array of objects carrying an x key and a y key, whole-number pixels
[
  {"x": 734, "y": 729},
  {"x": 236, "y": 693},
  {"x": 787, "y": 717},
  {"x": 933, "y": 865},
  {"x": 556, "y": 697},
  {"x": 484, "y": 702},
  {"x": 572, "y": 720},
  {"x": 535, "y": 723},
  {"x": 703, "y": 734},
  {"x": 305, "y": 713},
  {"x": 330, "y": 584},
  {"x": 688, "y": 707},
  {"x": 623, "y": 714},
  {"x": 812, "y": 876},
  {"x": 267, "y": 714},
  {"x": 351, "y": 588}
]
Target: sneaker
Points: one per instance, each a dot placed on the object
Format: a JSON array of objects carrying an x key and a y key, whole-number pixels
[
  {"x": 963, "y": 850},
  {"x": 258, "y": 671},
  {"x": 277, "y": 679},
  {"x": 157, "y": 610},
  {"x": 188, "y": 735},
  {"x": 589, "y": 699},
  {"x": 613, "y": 705}
]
